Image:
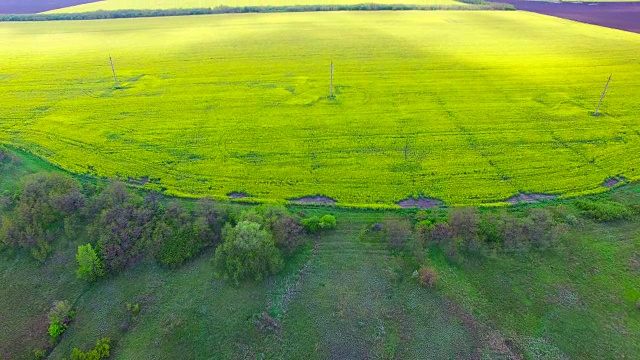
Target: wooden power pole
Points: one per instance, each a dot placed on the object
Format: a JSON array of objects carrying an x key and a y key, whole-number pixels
[
  {"x": 331, "y": 82},
  {"x": 604, "y": 92},
  {"x": 113, "y": 69}
]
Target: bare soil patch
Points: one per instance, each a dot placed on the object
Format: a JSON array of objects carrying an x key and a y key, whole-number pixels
[
  {"x": 316, "y": 199},
  {"x": 530, "y": 198},
  {"x": 615, "y": 180},
  {"x": 420, "y": 203},
  {"x": 37, "y": 6},
  {"x": 238, "y": 195},
  {"x": 616, "y": 15},
  {"x": 487, "y": 337}
]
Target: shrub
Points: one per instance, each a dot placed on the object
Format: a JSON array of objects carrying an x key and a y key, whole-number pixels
[
  {"x": 513, "y": 236},
  {"x": 488, "y": 230},
  {"x": 397, "y": 233},
  {"x": 327, "y": 222},
  {"x": 59, "y": 316},
  {"x": 174, "y": 240},
  {"x": 41, "y": 250},
  {"x": 55, "y": 330},
  {"x": 123, "y": 227},
  {"x": 102, "y": 350},
  {"x": 440, "y": 233},
  {"x": 209, "y": 220},
  {"x": 427, "y": 276},
  {"x": 247, "y": 251},
  {"x": 44, "y": 200},
  {"x": 421, "y": 215},
  {"x": 287, "y": 232},
  {"x": 312, "y": 224},
  {"x": 604, "y": 210},
  {"x": 39, "y": 354},
  {"x": 89, "y": 264},
  {"x": 464, "y": 226}
]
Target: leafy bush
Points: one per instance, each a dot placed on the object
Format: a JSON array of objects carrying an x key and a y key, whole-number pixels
[
  {"x": 247, "y": 251},
  {"x": 102, "y": 350},
  {"x": 90, "y": 266},
  {"x": 427, "y": 276},
  {"x": 327, "y": 222},
  {"x": 604, "y": 210},
  {"x": 59, "y": 316},
  {"x": 123, "y": 227},
  {"x": 55, "y": 330},
  {"x": 44, "y": 200},
  {"x": 173, "y": 237},
  {"x": 39, "y": 354},
  {"x": 397, "y": 233},
  {"x": 463, "y": 223},
  {"x": 287, "y": 232},
  {"x": 314, "y": 224},
  {"x": 489, "y": 231}
]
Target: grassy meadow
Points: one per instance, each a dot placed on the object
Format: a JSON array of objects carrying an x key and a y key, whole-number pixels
[
  {"x": 465, "y": 107},
  {"x": 192, "y": 4},
  {"x": 354, "y": 299}
]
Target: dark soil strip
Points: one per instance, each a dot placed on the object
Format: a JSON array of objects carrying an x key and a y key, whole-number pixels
[
  {"x": 530, "y": 198},
  {"x": 238, "y": 195},
  {"x": 318, "y": 199},
  {"x": 37, "y": 6},
  {"x": 618, "y": 15},
  {"x": 488, "y": 338},
  {"x": 614, "y": 181},
  {"x": 420, "y": 203}
]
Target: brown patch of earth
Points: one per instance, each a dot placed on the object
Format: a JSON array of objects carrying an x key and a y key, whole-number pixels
[
  {"x": 615, "y": 180},
  {"x": 317, "y": 199},
  {"x": 238, "y": 195},
  {"x": 37, "y": 6},
  {"x": 420, "y": 203},
  {"x": 487, "y": 338},
  {"x": 616, "y": 15},
  {"x": 530, "y": 198}
]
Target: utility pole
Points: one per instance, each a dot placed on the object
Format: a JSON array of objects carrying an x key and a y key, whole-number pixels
[
  {"x": 331, "y": 82},
  {"x": 113, "y": 69},
  {"x": 604, "y": 92},
  {"x": 406, "y": 149}
]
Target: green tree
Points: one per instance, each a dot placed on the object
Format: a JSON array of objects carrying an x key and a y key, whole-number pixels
[
  {"x": 102, "y": 350},
  {"x": 247, "y": 251},
  {"x": 90, "y": 266}
]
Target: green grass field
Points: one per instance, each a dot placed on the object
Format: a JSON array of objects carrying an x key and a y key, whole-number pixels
[
  {"x": 190, "y": 4},
  {"x": 465, "y": 107},
  {"x": 356, "y": 300}
]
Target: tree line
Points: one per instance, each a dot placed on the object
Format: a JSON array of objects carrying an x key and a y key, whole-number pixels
[
  {"x": 120, "y": 227},
  {"x": 123, "y": 14}
]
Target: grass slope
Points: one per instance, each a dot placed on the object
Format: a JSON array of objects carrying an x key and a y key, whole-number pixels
[
  {"x": 465, "y": 107},
  {"x": 355, "y": 300},
  {"x": 191, "y": 4}
]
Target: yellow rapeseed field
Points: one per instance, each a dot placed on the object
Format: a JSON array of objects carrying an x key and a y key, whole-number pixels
[
  {"x": 467, "y": 107},
  {"x": 187, "y": 4}
]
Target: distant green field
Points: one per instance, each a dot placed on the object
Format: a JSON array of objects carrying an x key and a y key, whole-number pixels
[
  {"x": 184, "y": 4},
  {"x": 465, "y": 107}
]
